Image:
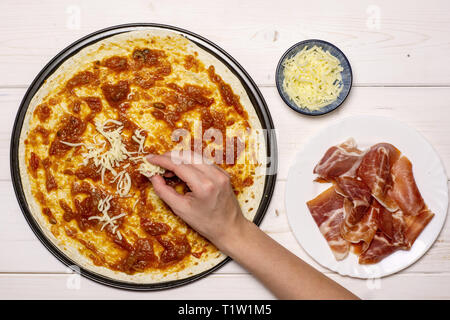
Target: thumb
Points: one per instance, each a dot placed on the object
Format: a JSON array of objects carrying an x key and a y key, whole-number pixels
[{"x": 168, "y": 194}]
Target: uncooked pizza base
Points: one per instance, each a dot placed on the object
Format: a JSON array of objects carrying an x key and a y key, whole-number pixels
[{"x": 249, "y": 199}]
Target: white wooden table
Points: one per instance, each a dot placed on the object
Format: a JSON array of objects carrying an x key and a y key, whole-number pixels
[{"x": 399, "y": 51}]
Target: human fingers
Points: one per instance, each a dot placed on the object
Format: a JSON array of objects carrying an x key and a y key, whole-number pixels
[
  {"x": 187, "y": 173},
  {"x": 167, "y": 193},
  {"x": 198, "y": 161}
]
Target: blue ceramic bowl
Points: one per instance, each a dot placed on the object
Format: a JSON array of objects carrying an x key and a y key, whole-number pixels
[{"x": 347, "y": 76}]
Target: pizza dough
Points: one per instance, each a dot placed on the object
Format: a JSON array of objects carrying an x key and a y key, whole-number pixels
[{"x": 130, "y": 92}]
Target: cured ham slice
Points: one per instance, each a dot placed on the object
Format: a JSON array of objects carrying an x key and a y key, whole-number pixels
[
  {"x": 356, "y": 192},
  {"x": 393, "y": 225},
  {"x": 415, "y": 225},
  {"x": 328, "y": 213},
  {"x": 363, "y": 230},
  {"x": 380, "y": 247},
  {"x": 389, "y": 237},
  {"x": 404, "y": 190},
  {"x": 358, "y": 219},
  {"x": 340, "y": 160},
  {"x": 375, "y": 172},
  {"x": 374, "y": 205}
]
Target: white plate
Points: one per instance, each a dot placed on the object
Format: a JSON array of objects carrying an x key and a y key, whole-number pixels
[{"x": 428, "y": 171}]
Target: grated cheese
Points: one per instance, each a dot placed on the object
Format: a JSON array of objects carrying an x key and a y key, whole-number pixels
[
  {"x": 107, "y": 159},
  {"x": 103, "y": 206},
  {"x": 73, "y": 144},
  {"x": 140, "y": 139},
  {"x": 103, "y": 158},
  {"x": 312, "y": 78},
  {"x": 123, "y": 183},
  {"x": 135, "y": 204},
  {"x": 149, "y": 170},
  {"x": 116, "y": 153}
]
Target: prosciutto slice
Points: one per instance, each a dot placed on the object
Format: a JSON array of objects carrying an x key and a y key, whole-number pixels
[
  {"x": 357, "y": 193},
  {"x": 359, "y": 222},
  {"x": 393, "y": 225},
  {"x": 375, "y": 172},
  {"x": 338, "y": 161},
  {"x": 374, "y": 204},
  {"x": 362, "y": 231},
  {"x": 380, "y": 247},
  {"x": 388, "y": 238},
  {"x": 404, "y": 190},
  {"x": 328, "y": 213},
  {"x": 415, "y": 225},
  {"x": 383, "y": 245}
]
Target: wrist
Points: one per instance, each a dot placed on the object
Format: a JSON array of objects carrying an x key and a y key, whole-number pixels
[{"x": 232, "y": 239}]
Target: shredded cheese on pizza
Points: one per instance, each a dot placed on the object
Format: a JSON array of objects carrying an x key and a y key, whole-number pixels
[
  {"x": 123, "y": 183},
  {"x": 140, "y": 139},
  {"x": 149, "y": 170},
  {"x": 117, "y": 152},
  {"x": 103, "y": 206}
]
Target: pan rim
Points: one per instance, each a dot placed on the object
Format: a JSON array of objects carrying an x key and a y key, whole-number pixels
[{"x": 251, "y": 88}]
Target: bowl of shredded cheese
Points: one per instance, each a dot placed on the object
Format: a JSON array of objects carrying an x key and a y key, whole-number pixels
[{"x": 313, "y": 77}]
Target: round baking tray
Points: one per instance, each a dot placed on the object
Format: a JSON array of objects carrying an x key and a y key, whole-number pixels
[{"x": 252, "y": 91}]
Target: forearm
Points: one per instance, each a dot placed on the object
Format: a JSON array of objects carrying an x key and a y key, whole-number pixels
[
  {"x": 212, "y": 209},
  {"x": 286, "y": 275}
]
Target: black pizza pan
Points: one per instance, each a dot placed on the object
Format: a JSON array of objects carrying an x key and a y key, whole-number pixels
[{"x": 252, "y": 90}]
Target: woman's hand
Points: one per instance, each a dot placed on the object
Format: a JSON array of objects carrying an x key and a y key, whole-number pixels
[{"x": 211, "y": 208}]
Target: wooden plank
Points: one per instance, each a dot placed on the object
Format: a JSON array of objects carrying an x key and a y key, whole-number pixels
[
  {"x": 70, "y": 286},
  {"x": 26, "y": 254},
  {"x": 425, "y": 109},
  {"x": 387, "y": 42},
  {"x": 410, "y": 105},
  {"x": 401, "y": 286}
]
